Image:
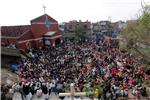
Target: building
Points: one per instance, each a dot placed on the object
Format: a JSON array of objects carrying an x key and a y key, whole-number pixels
[
  {"x": 62, "y": 27},
  {"x": 118, "y": 26},
  {"x": 72, "y": 26},
  {"x": 103, "y": 27},
  {"x": 44, "y": 30}
]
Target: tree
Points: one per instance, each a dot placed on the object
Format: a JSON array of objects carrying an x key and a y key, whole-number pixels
[
  {"x": 137, "y": 33},
  {"x": 80, "y": 32}
]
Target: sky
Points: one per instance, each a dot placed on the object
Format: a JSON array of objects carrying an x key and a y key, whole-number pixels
[{"x": 20, "y": 12}]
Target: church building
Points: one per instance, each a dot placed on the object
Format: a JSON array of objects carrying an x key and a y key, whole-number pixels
[{"x": 44, "y": 30}]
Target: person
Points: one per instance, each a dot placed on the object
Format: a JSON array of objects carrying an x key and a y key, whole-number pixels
[
  {"x": 26, "y": 91},
  {"x": 45, "y": 91},
  {"x": 143, "y": 92},
  {"x": 49, "y": 87},
  {"x": 53, "y": 87},
  {"x": 9, "y": 94},
  {"x": 59, "y": 87},
  {"x": 66, "y": 63},
  {"x": 32, "y": 88},
  {"x": 39, "y": 93},
  {"x": 19, "y": 88}
]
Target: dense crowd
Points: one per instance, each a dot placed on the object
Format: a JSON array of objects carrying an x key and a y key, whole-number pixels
[{"x": 90, "y": 64}]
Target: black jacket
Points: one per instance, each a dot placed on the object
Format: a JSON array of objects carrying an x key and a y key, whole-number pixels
[{"x": 44, "y": 89}]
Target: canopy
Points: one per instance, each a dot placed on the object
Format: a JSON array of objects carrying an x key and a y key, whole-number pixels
[{"x": 50, "y": 33}]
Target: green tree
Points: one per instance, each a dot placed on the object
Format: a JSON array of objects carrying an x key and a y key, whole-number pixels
[
  {"x": 80, "y": 32},
  {"x": 137, "y": 34}
]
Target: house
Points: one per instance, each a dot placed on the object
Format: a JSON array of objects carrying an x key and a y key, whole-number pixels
[
  {"x": 72, "y": 26},
  {"x": 118, "y": 26},
  {"x": 103, "y": 27},
  {"x": 62, "y": 27},
  {"x": 44, "y": 30}
]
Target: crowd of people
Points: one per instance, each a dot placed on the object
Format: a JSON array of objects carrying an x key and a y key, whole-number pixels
[{"x": 89, "y": 65}]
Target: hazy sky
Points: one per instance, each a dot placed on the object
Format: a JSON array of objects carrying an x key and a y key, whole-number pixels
[{"x": 20, "y": 12}]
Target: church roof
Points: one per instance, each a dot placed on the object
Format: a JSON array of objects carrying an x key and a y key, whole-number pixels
[
  {"x": 42, "y": 19},
  {"x": 27, "y": 36},
  {"x": 23, "y": 32},
  {"x": 14, "y": 31}
]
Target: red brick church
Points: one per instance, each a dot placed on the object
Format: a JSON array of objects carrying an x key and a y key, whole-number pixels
[{"x": 44, "y": 30}]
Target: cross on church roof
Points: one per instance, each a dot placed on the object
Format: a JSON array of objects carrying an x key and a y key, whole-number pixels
[{"x": 44, "y": 9}]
